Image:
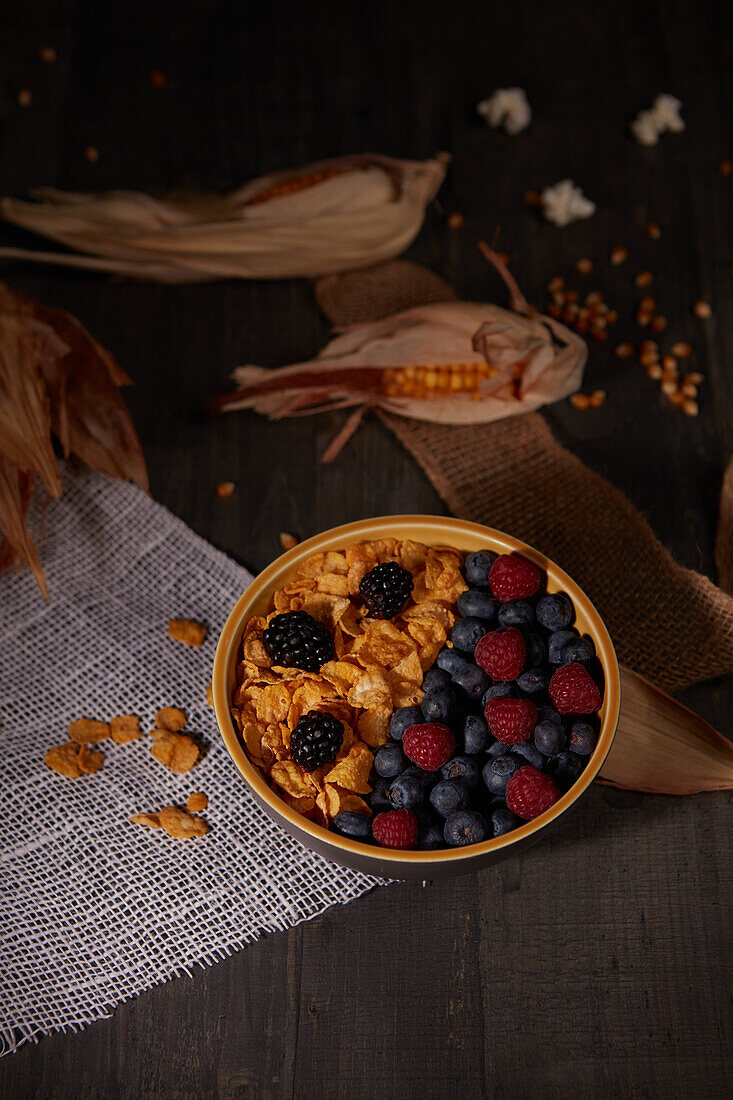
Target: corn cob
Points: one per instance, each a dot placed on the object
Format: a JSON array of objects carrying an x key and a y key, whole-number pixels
[
  {"x": 295, "y": 183},
  {"x": 434, "y": 382}
]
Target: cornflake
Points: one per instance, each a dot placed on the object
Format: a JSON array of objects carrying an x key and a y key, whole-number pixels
[
  {"x": 86, "y": 731},
  {"x": 124, "y": 728},
  {"x": 179, "y": 824},
  {"x": 196, "y": 802},
  {"x": 73, "y": 760},
  {"x": 176, "y": 750},
  {"x": 170, "y": 718},
  {"x": 188, "y": 631}
]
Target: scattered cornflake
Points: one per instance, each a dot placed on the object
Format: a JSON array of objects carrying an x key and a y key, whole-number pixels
[
  {"x": 690, "y": 408},
  {"x": 180, "y": 825},
  {"x": 624, "y": 351},
  {"x": 597, "y": 398},
  {"x": 455, "y": 220},
  {"x": 47, "y": 54},
  {"x": 702, "y": 309},
  {"x": 196, "y": 802},
  {"x": 653, "y": 231},
  {"x": 124, "y": 728},
  {"x": 188, "y": 631},
  {"x": 508, "y": 108},
  {"x": 659, "y": 323},
  {"x": 158, "y": 80},
  {"x": 584, "y": 266},
  {"x": 25, "y": 97},
  {"x": 564, "y": 203},
  {"x": 72, "y": 760},
  {"x": 86, "y": 731},
  {"x": 619, "y": 255},
  {"x": 725, "y": 167},
  {"x": 225, "y": 489},
  {"x": 288, "y": 541},
  {"x": 151, "y": 820},
  {"x": 580, "y": 401},
  {"x": 176, "y": 750},
  {"x": 681, "y": 350},
  {"x": 92, "y": 154},
  {"x": 170, "y": 718},
  {"x": 532, "y": 198},
  {"x": 644, "y": 278}
]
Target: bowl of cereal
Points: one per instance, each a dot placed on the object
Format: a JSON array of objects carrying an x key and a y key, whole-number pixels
[{"x": 415, "y": 696}]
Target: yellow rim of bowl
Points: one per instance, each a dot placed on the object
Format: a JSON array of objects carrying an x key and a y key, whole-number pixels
[{"x": 399, "y": 526}]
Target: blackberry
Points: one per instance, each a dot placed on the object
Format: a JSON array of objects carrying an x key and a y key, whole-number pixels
[
  {"x": 296, "y": 640},
  {"x": 385, "y": 589},
  {"x": 316, "y": 739}
]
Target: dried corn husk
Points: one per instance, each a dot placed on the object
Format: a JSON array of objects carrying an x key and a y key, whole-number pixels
[
  {"x": 476, "y": 362},
  {"x": 664, "y": 748},
  {"x": 331, "y": 216},
  {"x": 54, "y": 377}
]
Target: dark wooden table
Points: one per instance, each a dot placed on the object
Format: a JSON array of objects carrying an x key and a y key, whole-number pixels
[{"x": 598, "y": 963}]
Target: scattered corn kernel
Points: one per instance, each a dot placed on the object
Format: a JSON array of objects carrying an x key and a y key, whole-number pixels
[
  {"x": 580, "y": 400},
  {"x": 648, "y": 358},
  {"x": 624, "y": 351},
  {"x": 690, "y": 408},
  {"x": 455, "y": 220},
  {"x": 654, "y": 371},
  {"x": 47, "y": 54},
  {"x": 725, "y": 167},
  {"x": 648, "y": 345},
  {"x": 25, "y": 97},
  {"x": 668, "y": 375},
  {"x": 599, "y": 334},
  {"x": 594, "y": 298},
  {"x": 689, "y": 390},
  {"x": 682, "y": 350},
  {"x": 702, "y": 309},
  {"x": 597, "y": 398},
  {"x": 225, "y": 489},
  {"x": 668, "y": 387},
  {"x": 677, "y": 398},
  {"x": 659, "y": 323},
  {"x": 288, "y": 541},
  {"x": 647, "y": 304},
  {"x": 158, "y": 80},
  {"x": 644, "y": 278},
  {"x": 669, "y": 362},
  {"x": 584, "y": 266},
  {"x": 642, "y": 318},
  {"x": 618, "y": 255},
  {"x": 555, "y": 284},
  {"x": 612, "y": 316},
  {"x": 653, "y": 231},
  {"x": 571, "y": 296},
  {"x": 92, "y": 153},
  {"x": 694, "y": 377}
]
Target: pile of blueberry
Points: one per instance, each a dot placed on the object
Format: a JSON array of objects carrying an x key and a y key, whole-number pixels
[{"x": 506, "y": 725}]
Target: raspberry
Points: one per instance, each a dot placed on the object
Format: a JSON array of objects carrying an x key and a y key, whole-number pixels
[
  {"x": 512, "y": 577},
  {"x": 530, "y": 792},
  {"x": 395, "y": 829},
  {"x": 501, "y": 653},
  {"x": 510, "y": 720},
  {"x": 429, "y": 745},
  {"x": 573, "y": 691}
]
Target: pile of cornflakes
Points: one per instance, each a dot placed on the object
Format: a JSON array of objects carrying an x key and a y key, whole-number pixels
[{"x": 379, "y": 666}]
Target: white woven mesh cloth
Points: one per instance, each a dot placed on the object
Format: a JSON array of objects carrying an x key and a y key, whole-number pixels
[{"x": 94, "y": 910}]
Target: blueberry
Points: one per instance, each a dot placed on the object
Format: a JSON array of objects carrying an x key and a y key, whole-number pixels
[
  {"x": 582, "y": 738},
  {"x": 463, "y": 768},
  {"x": 549, "y": 714},
  {"x": 549, "y": 737},
  {"x": 435, "y": 678},
  {"x": 535, "y": 650},
  {"x": 429, "y": 838},
  {"x": 448, "y": 797},
  {"x": 475, "y": 734},
  {"x": 390, "y": 759},
  {"x": 476, "y": 568},
  {"x": 425, "y": 779},
  {"x": 467, "y": 633},
  {"x": 498, "y": 748},
  {"x": 565, "y": 769},
  {"x": 578, "y": 649},
  {"x": 356, "y": 826},
  {"x": 498, "y": 691},
  {"x": 503, "y": 821},
  {"x": 405, "y": 793},
  {"x": 402, "y": 719},
  {"x": 475, "y": 604},
  {"x": 438, "y": 704},
  {"x": 533, "y": 680},
  {"x": 450, "y": 660},
  {"x": 555, "y": 612},
  {"x": 531, "y": 754},
  {"x": 516, "y": 613},
  {"x": 378, "y": 798},
  {"x": 465, "y": 827},
  {"x": 498, "y": 772},
  {"x": 556, "y": 644},
  {"x": 472, "y": 681}
]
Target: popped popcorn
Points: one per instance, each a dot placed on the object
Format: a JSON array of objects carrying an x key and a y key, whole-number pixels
[
  {"x": 662, "y": 116},
  {"x": 507, "y": 107},
  {"x": 564, "y": 203}
]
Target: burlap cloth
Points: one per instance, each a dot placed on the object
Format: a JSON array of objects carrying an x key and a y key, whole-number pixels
[{"x": 669, "y": 623}]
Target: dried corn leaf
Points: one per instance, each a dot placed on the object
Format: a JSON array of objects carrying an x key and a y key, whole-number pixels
[
  {"x": 54, "y": 377},
  {"x": 331, "y": 216},
  {"x": 448, "y": 362},
  {"x": 662, "y": 747}
]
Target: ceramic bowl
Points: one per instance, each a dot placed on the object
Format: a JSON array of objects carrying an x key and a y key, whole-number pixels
[{"x": 386, "y": 863}]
